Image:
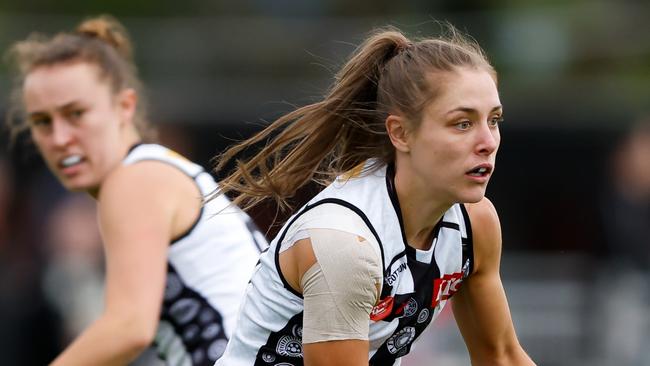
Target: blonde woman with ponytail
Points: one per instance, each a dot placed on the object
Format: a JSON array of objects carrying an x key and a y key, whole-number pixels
[
  {"x": 174, "y": 273},
  {"x": 405, "y": 142}
]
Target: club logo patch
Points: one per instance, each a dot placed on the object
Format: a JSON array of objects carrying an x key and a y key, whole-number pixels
[
  {"x": 297, "y": 331},
  {"x": 400, "y": 339},
  {"x": 424, "y": 315},
  {"x": 289, "y": 346},
  {"x": 267, "y": 357},
  {"x": 184, "y": 310},
  {"x": 211, "y": 331},
  {"x": 173, "y": 287},
  {"x": 198, "y": 356},
  {"x": 411, "y": 307},
  {"x": 191, "y": 332}
]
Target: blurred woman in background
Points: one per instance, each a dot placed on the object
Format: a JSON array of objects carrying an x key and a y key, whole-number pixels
[
  {"x": 406, "y": 139},
  {"x": 172, "y": 274}
]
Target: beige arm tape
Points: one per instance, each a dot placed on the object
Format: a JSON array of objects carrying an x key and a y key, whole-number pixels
[{"x": 341, "y": 288}]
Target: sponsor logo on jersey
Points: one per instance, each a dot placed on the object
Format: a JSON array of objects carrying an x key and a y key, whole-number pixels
[
  {"x": 382, "y": 309},
  {"x": 445, "y": 287},
  {"x": 390, "y": 279}
]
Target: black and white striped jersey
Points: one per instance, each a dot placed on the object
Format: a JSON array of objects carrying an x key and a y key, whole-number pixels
[
  {"x": 208, "y": 268},
  {"x": 416, "y": 283}
]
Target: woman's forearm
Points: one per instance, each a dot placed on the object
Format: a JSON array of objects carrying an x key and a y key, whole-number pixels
[{"x": 107, "y": 341}]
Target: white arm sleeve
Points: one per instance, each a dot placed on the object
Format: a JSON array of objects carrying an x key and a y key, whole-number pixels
[{"x": 341, "y": 288}]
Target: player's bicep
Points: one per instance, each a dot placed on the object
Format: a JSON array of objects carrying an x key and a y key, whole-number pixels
[
  {"x": 135, "y": 219},
  {"x": 351, "y": 352}
]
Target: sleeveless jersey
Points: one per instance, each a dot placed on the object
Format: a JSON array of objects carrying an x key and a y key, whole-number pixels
[
  {"x": 416, "y": 283},
  {"x": 208, "y": 268}
]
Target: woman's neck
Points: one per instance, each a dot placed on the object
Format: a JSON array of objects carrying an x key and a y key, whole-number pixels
[
  {"x": 420, "y": 211},
  {"x": 129, "y": 139}
]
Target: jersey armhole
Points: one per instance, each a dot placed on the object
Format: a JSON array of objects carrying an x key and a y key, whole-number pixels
[
  {"x": 193, "y": 178},
  {"x": 308, "y": 207}
]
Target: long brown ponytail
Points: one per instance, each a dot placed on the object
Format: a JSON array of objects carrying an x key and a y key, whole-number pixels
[{"x": 317, "y": 142}]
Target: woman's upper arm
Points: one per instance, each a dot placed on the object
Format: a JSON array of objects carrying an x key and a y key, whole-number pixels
[
  {"x": 339, "y": 291},
  {"x": 480, "y": 307},
  {"x": 137, "y": 206},
  {"x": 338, "y": 274}
]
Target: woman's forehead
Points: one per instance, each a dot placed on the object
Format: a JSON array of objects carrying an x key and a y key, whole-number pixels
[
  {"x": 58, "y": 85},
  {"x": 464, "y": 89}
]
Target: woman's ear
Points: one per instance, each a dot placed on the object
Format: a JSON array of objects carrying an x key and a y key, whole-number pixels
[
  {"x": 127, "y": 101},
  {"x": 398, "y": 132}
]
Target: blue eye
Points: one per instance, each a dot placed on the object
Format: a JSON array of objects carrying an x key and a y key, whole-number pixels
[
  {"x": 464, "y": 125},
  {"x": 496, "y": 121}
]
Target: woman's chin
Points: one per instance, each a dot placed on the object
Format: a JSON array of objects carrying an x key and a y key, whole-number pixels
[
  {"x": 472, "y": 197},
  {"x": 78, "y": 185}
]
